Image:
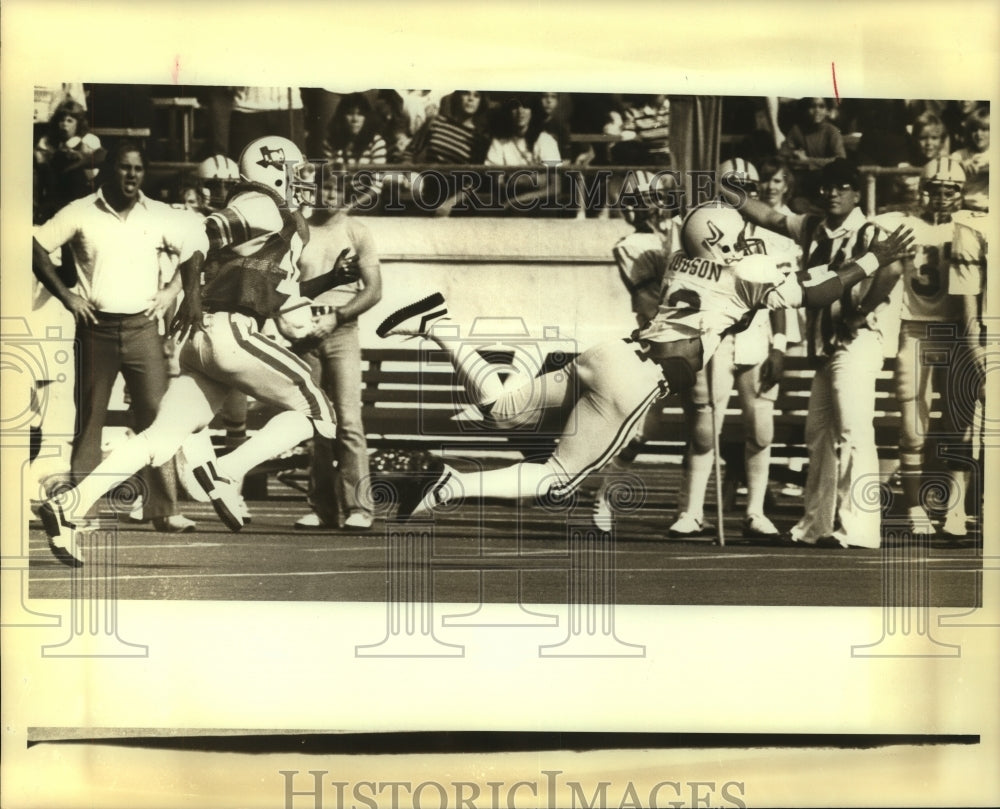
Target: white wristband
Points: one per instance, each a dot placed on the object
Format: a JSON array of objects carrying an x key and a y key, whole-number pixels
[
  {"x": 779, "y": 342},
  {"x": 868, "y": 262}
]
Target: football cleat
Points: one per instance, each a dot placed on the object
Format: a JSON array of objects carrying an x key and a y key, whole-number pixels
[
  {"x": 414, "y": 476},
  {"x": 224, "y": 496},
  {"x": 601, "y": 514},
  {"x": 358, "y": 520},
  {"x": 759, "y": 526},
  {"x": 687, "y": 525},
  {"x": 175, "y": 524},
  {"x": 62, "y": 541},
  {"x": 919, "y": 523},
  {"x": 955, "y": 525},
  {"x": 417, "y": 319}
]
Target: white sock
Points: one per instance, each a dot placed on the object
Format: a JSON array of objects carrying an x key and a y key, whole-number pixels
[
  {"x": 698, "y": 474},
  {"x": 124, "y": 461},
  {"x": 758, "y": 465},
  {"x": 286, "y": 430}
]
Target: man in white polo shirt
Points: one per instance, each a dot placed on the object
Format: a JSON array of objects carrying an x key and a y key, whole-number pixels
[{"x": 118, "y": 237}]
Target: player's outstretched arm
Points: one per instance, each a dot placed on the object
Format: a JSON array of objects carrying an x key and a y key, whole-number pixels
[
  {"x": 345, "y": 270},
  {"x": 759, "y": 213},
  {"x": 882, "y": 260}
]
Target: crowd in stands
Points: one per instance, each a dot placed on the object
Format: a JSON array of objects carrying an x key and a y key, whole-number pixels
[
  {"x": 421, "y": 128},
  {"x": 795, "y": 153}
]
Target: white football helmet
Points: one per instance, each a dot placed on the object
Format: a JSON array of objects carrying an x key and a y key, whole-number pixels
[
  {"x": 216, "y": 177},
  {"x": 654, "y": 193},
  {"x": 741, "y": 173},
  {"x": 941, "y": 184},
  {"x": 277, "y": 163},
  {"x": 716, "y": 231}
]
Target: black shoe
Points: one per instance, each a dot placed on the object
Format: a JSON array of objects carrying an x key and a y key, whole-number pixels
[
  {"x": 223, "y": 494},
  {"x": 829, "y": 542},
  {"x": 415, "y": 319},
  {"x": 59, "y": 530}
]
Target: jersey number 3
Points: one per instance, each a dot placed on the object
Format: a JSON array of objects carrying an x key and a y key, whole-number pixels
[{"x": 927, "y": 281}]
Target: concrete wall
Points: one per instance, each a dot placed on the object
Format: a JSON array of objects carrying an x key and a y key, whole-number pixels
[{"x": 532, "y": 275}]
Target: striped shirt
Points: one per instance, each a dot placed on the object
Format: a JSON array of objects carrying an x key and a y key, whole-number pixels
[
  {"x": 374, "y": 154},
  {"x": 444, "y": 141},
  {"x": 836, "y": 248}
]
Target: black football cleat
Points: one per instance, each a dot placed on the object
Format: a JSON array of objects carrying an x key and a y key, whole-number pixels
[
  {"x": 62, "y": 541},
  {"x": 223, "y": 495},
  {"x": 417, "y": 319}
]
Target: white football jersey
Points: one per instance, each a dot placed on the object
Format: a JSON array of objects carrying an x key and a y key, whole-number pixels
[
  {"x": 968, "y": 254},
  {"x": 703, "y": 298},
  {"x": 925, "y": 277}
]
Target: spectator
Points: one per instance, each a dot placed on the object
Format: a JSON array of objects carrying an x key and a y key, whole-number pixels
[
  {"x": 953, "y": 117},
  {"x": 66, "y": 159},
  {"x": 341, "y": 496},
  {"x": 555, "y": 120},
  {"x": 644, "y": 128},
  {"x": 117, "y": 236},
  {"x": 258, "y": 112},
  {"x": 926, "y": 142},
  {"x": 927, "y": 139},
  {"x": 418, "y": 107},
  {"x": 388, "y": 106},
  {"x": 353, "y": 138},
  {"x": 519, "y": 136},
  {"x": 811, "y": 143},
  {"x": 845, "y": 339},
  {"x": 353, "y": 141},
  {"x": 456, "y": 135},
  {"x": 975, "y": 160},
  {"x": 776, "y": 189}
]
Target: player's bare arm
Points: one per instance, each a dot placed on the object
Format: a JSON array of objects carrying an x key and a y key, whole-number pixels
[
  {"x": 45, "y": 272},
  {"x": 882, "y": 253},
  {"x": 761, "y": 214},
  {"x": 188, "y": 317}
]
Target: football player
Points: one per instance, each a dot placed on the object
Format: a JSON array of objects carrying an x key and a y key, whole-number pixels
[
  {"x": 714, "y": 287},
  {"x": 752, "y": 361},
  {"x": 967, "y": 282},
  {"x": 926, "y": 301},
  {"x": 249, "y": 260}
]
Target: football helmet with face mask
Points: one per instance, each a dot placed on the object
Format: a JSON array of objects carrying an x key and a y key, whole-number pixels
[
  {"x": 216, "y": 177},
  {"x": 941, "y": 185},
  {"x": 278, "y": 164},
  {"x": 740, "y": 173},
  {"x": 718, "y": 232}
]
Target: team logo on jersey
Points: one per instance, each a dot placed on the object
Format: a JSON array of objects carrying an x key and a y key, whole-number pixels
[{"x": 271, "y": 157}]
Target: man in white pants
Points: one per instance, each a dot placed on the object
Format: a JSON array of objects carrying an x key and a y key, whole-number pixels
[{"x": 845, "y": 339}]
